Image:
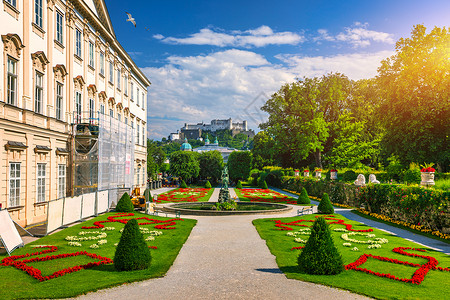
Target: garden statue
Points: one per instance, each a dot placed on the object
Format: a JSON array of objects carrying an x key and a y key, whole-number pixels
[
  {"x": 373, "y": 179},
  {"x": 361, "y": 180},
  {"x": 224, "y": 194},
  {"x": 225, "y": 179}
]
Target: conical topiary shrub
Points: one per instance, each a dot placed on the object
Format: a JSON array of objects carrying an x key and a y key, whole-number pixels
[
  {"x": 303, "y": 198},
  {"x": 208, "y": 185},
  {"x": 239, "y": 185},
  {"x": 325, "y": 206},
  {"x": 125, "y": 204},
  {"x": 320, "y": 256},
  {"x": 183, "y": 184},
  {"x": 132, "y": 252}
]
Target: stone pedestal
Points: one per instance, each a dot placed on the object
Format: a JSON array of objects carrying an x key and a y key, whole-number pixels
[
  {"x": 427, "y": 178},
  {"x": 333, "y": 175},
  {"x": 306, "y": 174}
]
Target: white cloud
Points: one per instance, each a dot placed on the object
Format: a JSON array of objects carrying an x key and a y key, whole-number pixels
[
  {"x": 360, "y": 36},
  {"x": 234, "y": 83},
  {"x": 259, "y": 37}
]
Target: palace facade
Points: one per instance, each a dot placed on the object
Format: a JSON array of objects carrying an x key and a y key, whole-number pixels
[{"x": 63, "y": 70}]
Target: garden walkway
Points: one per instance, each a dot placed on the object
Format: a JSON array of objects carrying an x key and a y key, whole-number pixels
[{"x": 224, "y": 258}]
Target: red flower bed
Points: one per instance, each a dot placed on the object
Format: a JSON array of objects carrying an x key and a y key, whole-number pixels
[
  {"x": 419, "y": 274},
  {"x": 285, "y": 226},
  {"x": 179, "y": 195},
  {"x": 250, "y": 194},
  {"x": 161, "y": 224},
  {"x": 36, "y": 273}
]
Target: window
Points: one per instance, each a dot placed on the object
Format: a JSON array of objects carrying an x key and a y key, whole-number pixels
[
  {"x": 40, "y": 183},
  {"x": 132, "y": 91},
  {"x": 143, "y": 100},
  {"x": 14, "y": 184},
  {"x": 91, "y": 54},
  {"x": 102, "y": 109},
  {"x": 111, "y": 113},
  {"x": 138, "y": 133},
  {"x": 102, "y": 63},
  {"x": 125, "y": 83},
  {"x": 38, "y": 12},
  {"x": 59, "y": 101},
  {"x": 78, "y": 43},
  {"x": 12, "y": 81},
  {"x": 77, "y": 107},
  {"x": 137, "y": 96},
  {"x": 61, "y": 181},
  {"x": 119, "y": 117},
  {"x": 111, "y": 72},
  {"x": 143, "y": 135},
  {"x": 12, "y": 2},
  {"x": 143, "y": 176},
  {"x": 38, "y": 91},
  {"x": 91, "y": 110},
  {"x": 137, "y": 175},
  {"x": 126, "y": 120},
  {"x": 118, "y": 79},
  {"x": 59, "y": 27}
]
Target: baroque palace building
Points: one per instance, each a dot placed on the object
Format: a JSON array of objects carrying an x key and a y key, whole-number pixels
[{"x": 63, "y": 70}]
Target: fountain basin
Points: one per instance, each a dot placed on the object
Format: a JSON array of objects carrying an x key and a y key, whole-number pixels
[{"x": 203, "y": 208}]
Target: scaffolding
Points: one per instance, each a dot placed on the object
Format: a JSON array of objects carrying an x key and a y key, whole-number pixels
[{"x": 102, "y": 153}]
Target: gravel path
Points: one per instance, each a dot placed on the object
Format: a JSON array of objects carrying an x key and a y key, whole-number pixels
[{"x": 224, "y": 258}]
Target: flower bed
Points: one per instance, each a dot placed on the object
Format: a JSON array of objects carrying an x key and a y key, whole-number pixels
[
  {"x": 186, "y": 195},
  {"x": 374, "y": 263},
  {"x": 263, "y": 195}
]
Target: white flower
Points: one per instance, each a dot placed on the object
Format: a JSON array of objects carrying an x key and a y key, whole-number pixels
[
  {"x": 74, "y": 244},
  {"x": 150, "y": 238},
  {"x": 93, "y": 246},
  {"x": 116, "y": 244},
  {"x": 347, "y": 244},
  {"x": 290, "y": 234},
  {"x": 108, "y": 228},
  {"x": 101, "y": 242},
  {"x": 299, "y": 240},
  {"x": 341, "y": 229},
  {"x": 355, "y": 249},
  {"x": 374, "y": 246}
]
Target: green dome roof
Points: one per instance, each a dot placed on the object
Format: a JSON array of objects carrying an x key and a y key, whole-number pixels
[
  {"x": 216, "y": 142},
  {"x": 186, "y": 146},
  {"x": 207, "y": 140}
]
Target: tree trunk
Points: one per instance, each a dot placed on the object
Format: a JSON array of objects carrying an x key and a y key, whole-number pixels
[{"x": 318, "y": 158}]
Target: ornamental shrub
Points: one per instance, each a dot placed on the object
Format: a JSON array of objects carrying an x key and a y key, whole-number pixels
[
  {"x": 303, "y": 198},
  {"x": 125, "y": 204},
  {"x": 183, "y": 184},
  {"x": 207, "y": 185},
  {"x": 263, "y": 184},
  {"x": 349, "y": 175},
  {"x": 132, "y": 252},
  {"x": 239, "y": 185},
  {"x": 320, "y": 256},
  {"x": 325, "y": 206}
]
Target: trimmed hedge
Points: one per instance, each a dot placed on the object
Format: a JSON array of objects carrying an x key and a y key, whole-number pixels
[
  {"x": 239, "y": 185},
  {"x": 325, "y": 206},
  {"x": 132, "y": 252},
  {"x": 320, "y": 256},
  {"x": 125, "y": 204},
  {"x": 303, "y": 198},
  {"x": 183, "y": 184},
  {"x": 208, "y": 185}
]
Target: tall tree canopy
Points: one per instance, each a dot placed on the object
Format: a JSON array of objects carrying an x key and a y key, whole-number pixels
[
  {"x": 264, "y": 151},
  {"x": 416, "y": 93},
  {"x": 211, "y": 165},
  {"x": 239, "y": 164},
  {"x": 184, "y": 164}
]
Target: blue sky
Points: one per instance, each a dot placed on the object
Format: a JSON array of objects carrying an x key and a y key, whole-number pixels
[{"x": 220, "y": 59}]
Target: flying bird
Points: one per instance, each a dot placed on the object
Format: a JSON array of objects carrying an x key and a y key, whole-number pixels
[
  {"x": 147, "y": 28},
  {"x": 131, "y": 19}
]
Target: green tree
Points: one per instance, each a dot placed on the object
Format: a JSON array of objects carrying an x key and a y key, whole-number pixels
[
  {"x": 210, "y": 163},
  {"x": 325, "y": 206},
  {"x": 416, "y": 95},
  {"x": 264, "y": 151},
  {"x": 303, "y": 198},
  {"x": 184, "y": 164},
  {"x": 124, "y": 204},
  {"x": 300, "y": 114},
  {"x": 155, "y": 158},
  {"x": 239, "y": 164}
]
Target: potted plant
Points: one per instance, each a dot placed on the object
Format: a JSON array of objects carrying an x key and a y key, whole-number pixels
[
  {"x": 333, "y": 174},
  {"x": 427, "y": 175},
  {"x": 318, "y": 173},
  {"x": 306, "y": 173}
]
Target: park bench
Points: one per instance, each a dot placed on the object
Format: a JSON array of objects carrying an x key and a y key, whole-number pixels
[{"x": 304, "y": 210}]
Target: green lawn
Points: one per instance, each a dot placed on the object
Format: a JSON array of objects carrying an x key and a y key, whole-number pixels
[
  {"x": 433, "y": 286},
  {"x": 15, "y": 283},
  {"x": 186, "y": 195}
]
